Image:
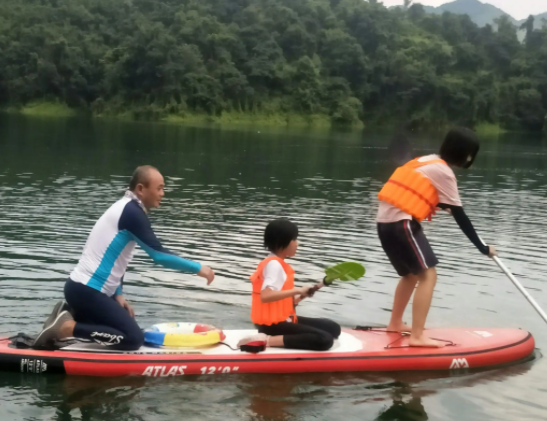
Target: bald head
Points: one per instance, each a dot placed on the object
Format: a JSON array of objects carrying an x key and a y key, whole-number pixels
[
  {"x": 142, "y": 175},
  {"x": 147, "y": 183}
]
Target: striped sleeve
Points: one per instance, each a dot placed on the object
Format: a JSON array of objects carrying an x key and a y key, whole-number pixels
[{"x": 135, "y": 221}]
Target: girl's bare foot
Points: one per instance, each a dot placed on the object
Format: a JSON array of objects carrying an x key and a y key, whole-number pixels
[
  {"x": 424, "y": 341},
  {"x": 398, "y": 327}
]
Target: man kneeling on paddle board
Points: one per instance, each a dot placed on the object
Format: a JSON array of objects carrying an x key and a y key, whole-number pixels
[
  {"x": 413, "y": 193},
  {"x": 94, "y": 290}
]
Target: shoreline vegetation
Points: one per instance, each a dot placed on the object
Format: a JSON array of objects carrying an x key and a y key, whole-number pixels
[
  {"x": 291, "y": 63},
  {"x": 54, "y": 109}
]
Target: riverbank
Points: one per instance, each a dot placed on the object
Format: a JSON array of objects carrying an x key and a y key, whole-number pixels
[
  {"x": 227, "y": 118},
  {"x": 271, "y": 119},
  {"x": 44, "y": 109},
  {"x": 489, "y": 129}
]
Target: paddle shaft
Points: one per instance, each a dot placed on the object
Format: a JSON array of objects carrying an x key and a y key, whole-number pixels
[
  {"x": 315, "y": 288},
  {"x": 520, "y": 288}
]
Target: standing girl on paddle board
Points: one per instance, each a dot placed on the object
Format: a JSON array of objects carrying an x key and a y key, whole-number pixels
[
  {"x": 274, "y": 298},
  {"x": 413, "y": 192}
]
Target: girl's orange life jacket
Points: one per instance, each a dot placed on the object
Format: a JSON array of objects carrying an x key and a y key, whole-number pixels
[
  {"x": 411, "y": 191},
  {"x": 277, "y": 311}
]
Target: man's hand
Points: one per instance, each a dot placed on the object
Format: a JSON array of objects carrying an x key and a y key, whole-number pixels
[
  {"x": 123, "y": 302},
  {"x": 207, "y": 273}
]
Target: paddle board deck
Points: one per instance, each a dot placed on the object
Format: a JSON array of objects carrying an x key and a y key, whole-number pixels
[{"x": 355, "y": 350}]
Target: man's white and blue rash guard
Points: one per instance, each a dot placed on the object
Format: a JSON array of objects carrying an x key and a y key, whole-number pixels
[{"x": 111, "y": 244}]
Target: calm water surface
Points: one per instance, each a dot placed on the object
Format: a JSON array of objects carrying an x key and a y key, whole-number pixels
[{"x": 58, "y": 176}]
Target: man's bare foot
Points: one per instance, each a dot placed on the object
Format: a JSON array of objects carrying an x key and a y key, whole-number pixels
[
  {"x": 399, "y": 327},
  {"x": 425, "y": 342}
]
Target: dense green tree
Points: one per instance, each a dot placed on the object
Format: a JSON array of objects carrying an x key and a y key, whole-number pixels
[{"x": 352, "y": 60}]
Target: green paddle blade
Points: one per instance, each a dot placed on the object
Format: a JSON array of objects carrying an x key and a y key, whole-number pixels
[{"x": 347, "y": 271}]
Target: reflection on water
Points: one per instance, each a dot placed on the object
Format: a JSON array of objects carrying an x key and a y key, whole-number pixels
[
  {"x": 386, "y": 397},
  {"x": 222, "y": 188}
]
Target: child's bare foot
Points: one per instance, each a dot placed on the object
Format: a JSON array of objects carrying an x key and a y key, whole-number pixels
[
  {"x": 398, "y": 327},
  {"x": 424, "y": 341}
]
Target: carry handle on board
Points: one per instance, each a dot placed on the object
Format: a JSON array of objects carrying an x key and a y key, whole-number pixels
[{"x": 347, "y": 271}]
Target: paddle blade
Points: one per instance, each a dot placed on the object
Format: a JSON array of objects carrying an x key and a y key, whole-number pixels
[{"x": 347, "y": 271}]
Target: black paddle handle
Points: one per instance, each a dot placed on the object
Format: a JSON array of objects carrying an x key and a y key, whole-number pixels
[{"x": 315, "y": 288}]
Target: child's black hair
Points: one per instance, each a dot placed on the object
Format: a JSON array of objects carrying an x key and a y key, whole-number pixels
[
  {"x": 279, "y": 234},
  {"x": 459, "y": 145}
]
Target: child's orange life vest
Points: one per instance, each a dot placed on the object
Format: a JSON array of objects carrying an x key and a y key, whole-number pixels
[
  {"x": 411, "y": 191},
  {"x": 277, "y": 311}
]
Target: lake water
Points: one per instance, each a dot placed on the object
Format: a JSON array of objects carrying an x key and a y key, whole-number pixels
[{"x": 223, "y": 185}]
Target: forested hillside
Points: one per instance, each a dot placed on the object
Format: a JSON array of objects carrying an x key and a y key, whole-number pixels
[{"x": 348, "y": 60}]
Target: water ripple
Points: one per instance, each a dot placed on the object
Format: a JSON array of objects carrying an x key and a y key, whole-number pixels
[{"x": 219, "y": 199}]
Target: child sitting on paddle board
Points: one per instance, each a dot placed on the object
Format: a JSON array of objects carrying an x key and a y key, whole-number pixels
[
  {"x": 274, "y": 298},
  {"x": 413, "y": 193}
]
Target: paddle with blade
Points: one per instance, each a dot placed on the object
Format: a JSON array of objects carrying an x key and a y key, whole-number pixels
[{"x": 347, "y": 271}]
